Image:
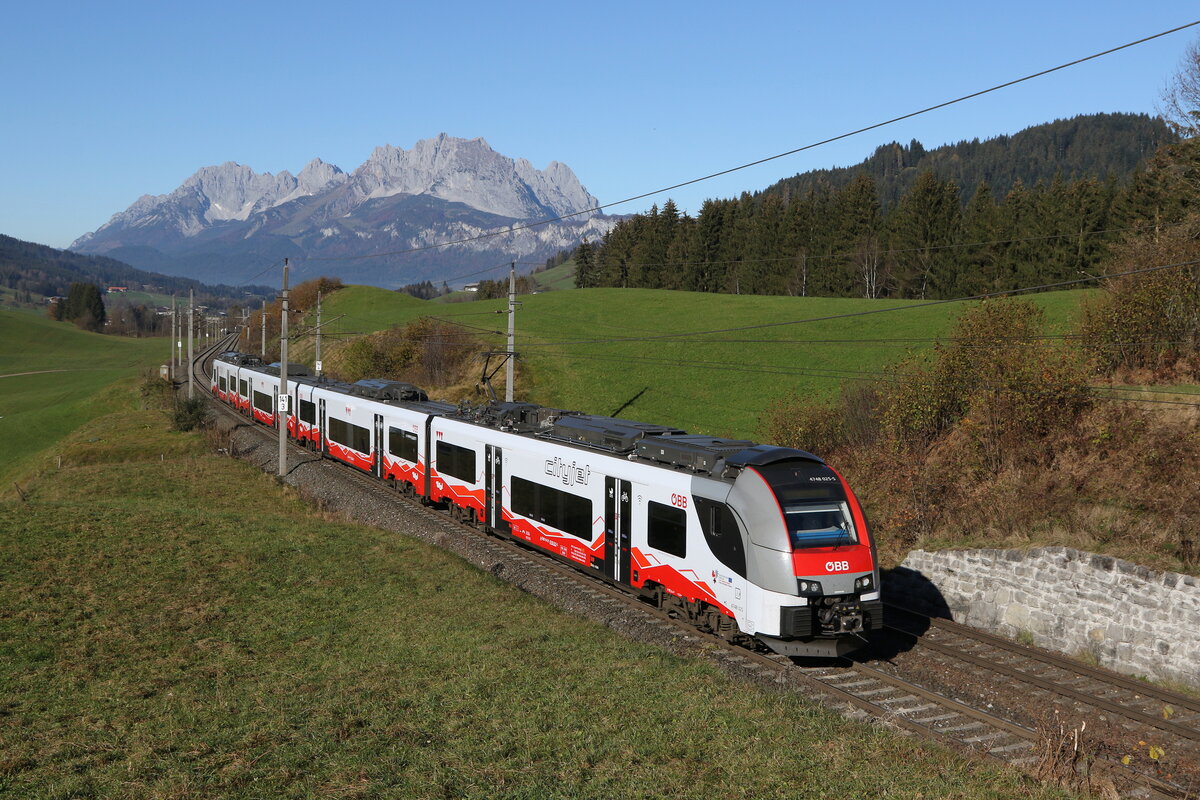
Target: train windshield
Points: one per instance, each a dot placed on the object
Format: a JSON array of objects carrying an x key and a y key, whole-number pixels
[{"x": 819, "y": 525}]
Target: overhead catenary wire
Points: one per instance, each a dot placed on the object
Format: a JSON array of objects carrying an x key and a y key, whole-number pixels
[
  {"x": 276, "y": 264},
  {"x": 538, "y": 223}
]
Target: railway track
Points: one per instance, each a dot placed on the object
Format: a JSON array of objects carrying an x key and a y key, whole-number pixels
[
  {"x": 1127, "y": 718},
  {"x": 884, "y": 690}
]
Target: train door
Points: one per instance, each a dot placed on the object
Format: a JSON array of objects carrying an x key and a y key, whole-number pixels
[
  {"x": 618, "y": 515},
  {"x": 294, "y": 411},
  {"x": 377, "y": 450},
  {"x": 321, "y": 438},
  {"x": 493, "y": 488}
]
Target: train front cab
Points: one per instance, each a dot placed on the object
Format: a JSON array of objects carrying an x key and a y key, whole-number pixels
[{"x": 810, "y": 552}]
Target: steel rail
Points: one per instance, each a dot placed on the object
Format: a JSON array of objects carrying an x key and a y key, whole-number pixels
[{"x": 1177, "y": 700}]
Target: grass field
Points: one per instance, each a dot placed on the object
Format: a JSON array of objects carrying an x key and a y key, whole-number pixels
[
  {"x": 717, "y": 384},
  {"x": 557, "y": 278},
  {"x": 179, "y": 626},
  {"x": 68, "y": 369}
]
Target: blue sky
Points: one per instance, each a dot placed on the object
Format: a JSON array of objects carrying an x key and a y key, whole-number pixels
[{"x": 106, "y": 102}]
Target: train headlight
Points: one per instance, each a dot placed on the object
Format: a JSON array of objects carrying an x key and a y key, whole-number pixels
[
  {"x": 863, "y": 583},
  {"x": 807, "y": 588}
]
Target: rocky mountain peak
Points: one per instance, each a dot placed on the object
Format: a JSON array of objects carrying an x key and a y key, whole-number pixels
[
  {"x": 318, "y": 175},
  {"x": 469, "y": 171},
  {"x": 443, "y": 189}
]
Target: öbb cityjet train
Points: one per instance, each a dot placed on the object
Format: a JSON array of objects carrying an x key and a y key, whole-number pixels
[{"x": 743, "y": 539}]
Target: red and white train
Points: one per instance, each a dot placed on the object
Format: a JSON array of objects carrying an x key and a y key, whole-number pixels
[{"x": 744, "y": 539}]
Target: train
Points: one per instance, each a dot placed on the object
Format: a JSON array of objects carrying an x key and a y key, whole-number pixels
[{"x": 759, "y": 544}]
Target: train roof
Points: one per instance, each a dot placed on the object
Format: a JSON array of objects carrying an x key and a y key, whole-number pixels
[
  {"x": 395, "y": 391},
  {"x": 240, "y": 359},
  {"x": 295, "y": 369},
  {"x": 662, "y": 445}
]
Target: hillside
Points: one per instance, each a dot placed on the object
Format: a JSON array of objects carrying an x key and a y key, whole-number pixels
[
  {"x": 52, "y": 379},
  {"x": 1093, "y": 145},
  {"x": 718, "y": 384},
  {"x": 1042, "y": 207},
  {"x": 32, "y": 271}
]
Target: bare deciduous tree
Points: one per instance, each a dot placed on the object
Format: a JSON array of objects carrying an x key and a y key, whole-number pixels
[{"x": 1181, "y": 97}]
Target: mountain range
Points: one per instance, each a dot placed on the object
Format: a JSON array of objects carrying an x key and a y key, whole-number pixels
[{"x": 226, "y": 223}]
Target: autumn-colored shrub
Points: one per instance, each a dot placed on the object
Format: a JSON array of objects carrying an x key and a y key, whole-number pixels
[
  {"x": 996, "y": 382},
  {"x": 428, "y": 352},
  {"x": 304, "y": 296},
  {"x": 1149, "y": 321},
  {"x": 954, "y": 435}
]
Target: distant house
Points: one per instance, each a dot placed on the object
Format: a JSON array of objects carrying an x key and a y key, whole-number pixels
[
  {"x": 471, "y": 287},
  {"x": 115, "y": 289}
]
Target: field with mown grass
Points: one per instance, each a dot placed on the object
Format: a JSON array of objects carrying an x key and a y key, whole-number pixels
[
  {"x": 175, "y": 624},
  {"x": 51, "y": 379},
  {"x": 717, "y": 384},
  {"x": 557, "y": 278}
]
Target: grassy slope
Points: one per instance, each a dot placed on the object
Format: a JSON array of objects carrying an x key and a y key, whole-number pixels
[
  {"x": 169, "y": 644},
  {"x": 368, "y": 308},
  {"x": 557, "y": 278},
  {"x": 720, "y": 386},
  {"x": 37, "y": 410}
]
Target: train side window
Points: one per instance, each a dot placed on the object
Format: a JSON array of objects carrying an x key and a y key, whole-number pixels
[
  {"x": 245, "y": 388},
  {"x": 553, "y": 507},
  {"x": 221, "y": 382},
  {"x": 402, "y": 444},
  {"x": 723, "y": 534},
  {"x": 264, "y": 402},
  {"x": 308, "y": 412},
  {"x": 457, "y": 462},
  {"x": 666, "y": 529},
  {"x": 346, "y": 434}
]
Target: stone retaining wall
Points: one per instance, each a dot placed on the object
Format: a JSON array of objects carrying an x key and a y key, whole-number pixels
[{"x": 1130, "y": 618}]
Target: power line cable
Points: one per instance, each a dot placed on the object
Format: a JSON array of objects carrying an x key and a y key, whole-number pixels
[
  {"x": 273, "y": 265},
  {"x": 893, "y": 120}
]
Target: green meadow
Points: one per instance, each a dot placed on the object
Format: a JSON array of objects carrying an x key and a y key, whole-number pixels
[
  {"x": 180, "y": 626},
  {"x": 52, "y": 380},
  {"x": 619, "y": 351}
]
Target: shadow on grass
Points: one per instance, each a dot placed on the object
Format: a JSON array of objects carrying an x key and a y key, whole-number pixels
[{"x": 629, "y": 402}]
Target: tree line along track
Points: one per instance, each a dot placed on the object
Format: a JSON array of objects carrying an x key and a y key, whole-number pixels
[{"x": 875, "y": 691}]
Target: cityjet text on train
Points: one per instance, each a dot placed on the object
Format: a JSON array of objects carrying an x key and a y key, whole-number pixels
[{"x": 569, "y": 474}]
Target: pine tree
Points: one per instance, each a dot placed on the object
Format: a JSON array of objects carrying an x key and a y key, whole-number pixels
[
  {"x": 981, "y": 230},
  {"x": 926, "y": 221},
  {"x": 859, "y": 234},
  {"x": 585, "y": 266}
]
